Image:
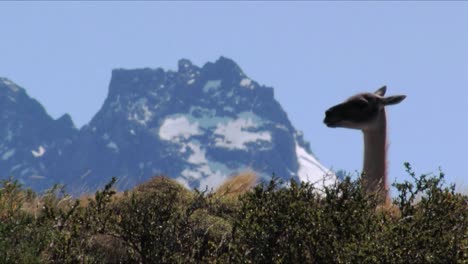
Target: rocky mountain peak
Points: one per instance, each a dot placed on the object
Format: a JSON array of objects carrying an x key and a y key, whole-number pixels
[
  {"x": 198, "y": 125},
  {"x": 7, "y": 86}
]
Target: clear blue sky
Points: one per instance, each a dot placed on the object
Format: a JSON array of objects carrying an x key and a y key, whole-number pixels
[{"x": 314, "y": 54}]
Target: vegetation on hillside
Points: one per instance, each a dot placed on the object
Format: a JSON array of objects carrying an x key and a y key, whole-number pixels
[{"x": 162, "y": 222}]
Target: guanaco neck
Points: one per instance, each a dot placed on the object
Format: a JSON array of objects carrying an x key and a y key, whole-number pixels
[{"x": 375, "y": 158}]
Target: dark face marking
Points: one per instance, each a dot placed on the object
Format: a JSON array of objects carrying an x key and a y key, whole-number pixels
[{"x": 356, "y": 112}]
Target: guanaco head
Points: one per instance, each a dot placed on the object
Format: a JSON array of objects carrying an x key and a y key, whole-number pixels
[{"x": 361, "y": 111}]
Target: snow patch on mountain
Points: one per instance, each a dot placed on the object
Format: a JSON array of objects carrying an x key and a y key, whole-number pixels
[
  {"x": 38, "y": 153},
  {"x": 213, "y": 180},
  {"x": 11, "y": 85},
  {"x": 236, "y": 134},
  {"x": 183, "y": 182},
  {"x": 209, "y": 175},
  {"x": 207, "y": 118},
  {"x": 246, "y": 82},
  {"x": 198, "y": 154},
  {"x": 8, "y": 154},
  {"x": 37, "y": 177},
  {"x": 140, "y": 112},
  {"x": 178, "y": 127},
  {"x": 191, "y": 174},
  {"x": 310, "y": 170},
  {"x": 113, "y": 146},
  {"x": 211, "y": 85},
  {"x": 105, "y": 136},
  {"x": 202, "y": 172},
  {"x": 116, "y": 105},
  {"x": 201, "y": 169}
]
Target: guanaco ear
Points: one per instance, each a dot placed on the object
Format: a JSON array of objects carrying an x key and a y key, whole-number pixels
[
  {"x": 381, "y": 91},
  {"x": 395, "y": 99}
]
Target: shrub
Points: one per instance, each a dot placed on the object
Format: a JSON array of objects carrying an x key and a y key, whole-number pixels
[
  {"x": 162, "y": 222},
  {"x": 297, "y": 224},
  {"x": 433, "y": 229}
]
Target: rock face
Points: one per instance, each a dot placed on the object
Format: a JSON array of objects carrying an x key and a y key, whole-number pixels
[
  {"x": 31, "y": 142},
  {"x": 198, "y": 125}
]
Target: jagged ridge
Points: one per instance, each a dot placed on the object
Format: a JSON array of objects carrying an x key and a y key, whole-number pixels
[{"x": 198, "y": 125}]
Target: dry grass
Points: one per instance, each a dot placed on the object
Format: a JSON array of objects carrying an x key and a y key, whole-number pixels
[
  {"x": 232, "y": 187},
  {"x": 389, "y": 209},
  {"x": 237, "y": 185},
  {"x": 85, "y": 199},
  {"x": 33, "y": 206}
]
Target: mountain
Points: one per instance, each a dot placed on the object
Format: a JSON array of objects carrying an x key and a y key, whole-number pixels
[
  {"x": 198, "y": 125},
  {"x": 32, "y": 143}
]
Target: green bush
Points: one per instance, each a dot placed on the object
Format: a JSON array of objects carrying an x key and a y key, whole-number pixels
[
  {"x": 433, "y": 229},
  {"x": 162, "y": 222},
  {"x": 302, "y": 225}
]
